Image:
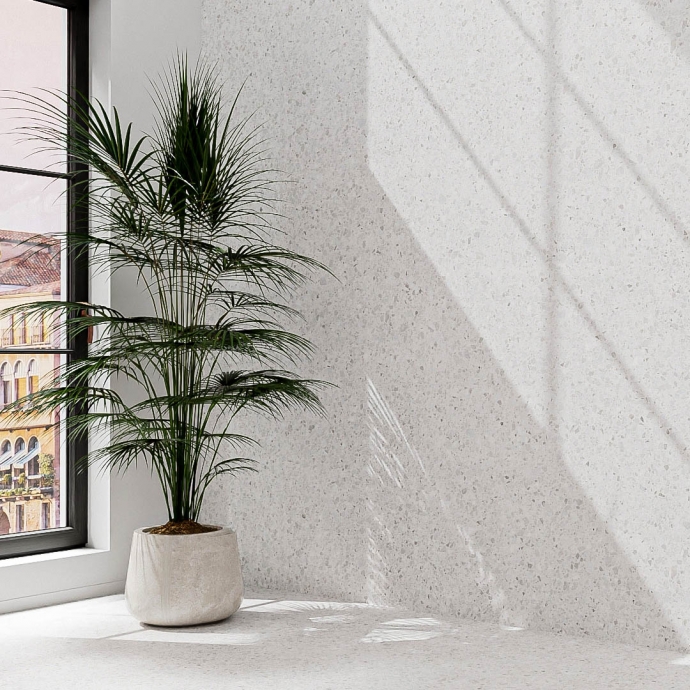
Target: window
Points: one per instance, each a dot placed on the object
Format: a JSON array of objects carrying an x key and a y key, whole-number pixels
[
  {"x": 6, "y": 388},
  {"x": 6, "y": 455},
  {"x": 32, "y": 377},
  {"x": 19, "y": 383},
  {"x": 32, "y": 468},
  {"x": 21, "y": 329},
  {"x": 45, "y": 516},
  {"x": 43, "y": 45}
]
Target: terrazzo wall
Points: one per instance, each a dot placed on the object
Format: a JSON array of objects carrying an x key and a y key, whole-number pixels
[{"x": 502, "y": 188}]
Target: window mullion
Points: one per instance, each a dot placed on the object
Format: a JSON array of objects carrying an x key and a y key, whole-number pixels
[{"x": 33, "y": 171}]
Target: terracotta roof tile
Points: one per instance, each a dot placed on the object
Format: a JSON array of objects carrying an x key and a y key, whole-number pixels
[
  {"x": 15, "y": 237},
  {"x": 31, "y": 268},
  {"x": 37, "y": 265}
]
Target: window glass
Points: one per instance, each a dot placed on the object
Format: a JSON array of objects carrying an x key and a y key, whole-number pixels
[
  {"x": 33, "y": 219},
  {"x": 30, "y": 60},
  {"x": 33, "y": 204}
]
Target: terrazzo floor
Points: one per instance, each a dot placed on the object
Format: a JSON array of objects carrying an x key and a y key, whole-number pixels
[{"x": 276, "y": 642}]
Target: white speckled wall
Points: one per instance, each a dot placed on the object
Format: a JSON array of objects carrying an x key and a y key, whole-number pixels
[{"x": 502, "y": 187}]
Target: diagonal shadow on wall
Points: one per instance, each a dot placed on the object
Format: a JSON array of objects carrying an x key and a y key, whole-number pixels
[
  {"x": 674, "y": 18},
  {"x": 470, "y": 508},
  {"x": 428, "y": 156}
]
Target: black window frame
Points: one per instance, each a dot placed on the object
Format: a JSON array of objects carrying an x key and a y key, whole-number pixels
[{"x": 74, "y": 533}]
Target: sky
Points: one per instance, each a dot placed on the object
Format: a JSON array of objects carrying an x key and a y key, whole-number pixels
[{"x": 29, "y": 61}]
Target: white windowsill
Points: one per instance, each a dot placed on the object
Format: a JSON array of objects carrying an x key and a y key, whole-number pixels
[{"x": 50, "y": 556}]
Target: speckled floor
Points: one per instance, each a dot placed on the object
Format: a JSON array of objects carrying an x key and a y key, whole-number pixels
[{"x": 276, "y": 642}]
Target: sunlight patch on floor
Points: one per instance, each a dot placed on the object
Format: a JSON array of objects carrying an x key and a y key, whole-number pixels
[
  {"x": 183, "y": 637},
  {"x": 307, "y": 606}
]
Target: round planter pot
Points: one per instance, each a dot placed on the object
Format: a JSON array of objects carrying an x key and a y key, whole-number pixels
[{"x": 184, "y": 579}]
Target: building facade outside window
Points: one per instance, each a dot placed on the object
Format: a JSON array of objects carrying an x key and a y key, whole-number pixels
[{"x": 43, "y": 45}]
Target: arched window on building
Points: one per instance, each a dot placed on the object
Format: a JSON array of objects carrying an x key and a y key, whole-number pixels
[
  {"x": 19, "y": 382},
  {"x": 6, "y": 465},
  {"x": 5, "y": 384},
  {"x": 32, "y": 377},
  {"x": 33, "y": 468},
  {"x": 19, "y": 451}
]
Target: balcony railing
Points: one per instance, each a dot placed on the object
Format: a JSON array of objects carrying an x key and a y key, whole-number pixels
[
  {"x": 36, "y": 335},
  {"x": 32, "y": 487}
]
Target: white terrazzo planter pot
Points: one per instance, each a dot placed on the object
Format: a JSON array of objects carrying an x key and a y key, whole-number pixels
[{"x": 184, "y": 579}]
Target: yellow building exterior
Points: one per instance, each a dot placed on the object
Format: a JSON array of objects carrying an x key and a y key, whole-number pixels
[{"x": 29, "y": 481}]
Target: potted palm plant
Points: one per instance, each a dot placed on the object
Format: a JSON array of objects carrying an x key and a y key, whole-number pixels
[{"x": 190, "y": 207}]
